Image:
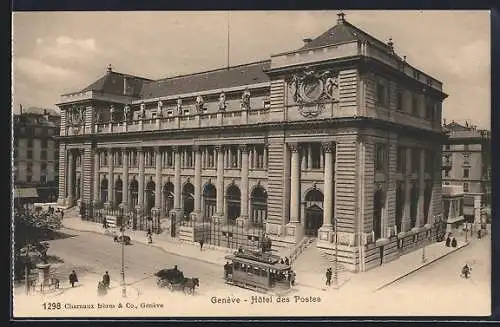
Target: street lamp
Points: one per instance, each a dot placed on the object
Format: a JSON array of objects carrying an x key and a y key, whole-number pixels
[
  {"x": 336, "y": 260},
  {"x": 124, "y": 289}
]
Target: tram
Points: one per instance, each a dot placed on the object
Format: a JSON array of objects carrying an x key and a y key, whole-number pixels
[{"x": 258, "y": 271}]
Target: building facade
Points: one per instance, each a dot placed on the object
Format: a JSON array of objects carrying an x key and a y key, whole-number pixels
[
  {"x": 36, "y": 153},
  {"x": 467, "y": 160},
  {"x": 339, "y": 140}
]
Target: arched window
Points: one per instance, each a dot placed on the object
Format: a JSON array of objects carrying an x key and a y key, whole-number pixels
[{"x": 258, "y": 200}]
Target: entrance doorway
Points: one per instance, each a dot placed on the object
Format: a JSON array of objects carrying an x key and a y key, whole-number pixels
[
  {"x": 313, "y": 221},
  {"x": 314, "y": 213}
]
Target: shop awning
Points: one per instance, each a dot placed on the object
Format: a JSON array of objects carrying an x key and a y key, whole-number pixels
[{"x": 25, "y": 193}]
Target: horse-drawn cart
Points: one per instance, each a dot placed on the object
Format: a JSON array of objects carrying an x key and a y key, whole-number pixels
[{"x": 174, "y": 279}]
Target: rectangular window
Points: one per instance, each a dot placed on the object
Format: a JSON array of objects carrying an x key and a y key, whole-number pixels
[
  {"x": 381, "y": 95},
  {"x": 401, "y": 159},
  {"x": 43, "y": 166},
  {"x": 447, "y": 147},
  {"x": 29, "y": 168},
  {"x": 29, "y": 154},
  {"x": 466, "y": 173},
  {"x": 466, "y": 187},
  {"x": 414, "y": 106},
  {"x": 43, "y": 155},
  {"x": 446, "y": 173},
  {"x": 44, "y": 143},
  {"x": 399, "y": 100},
  {"x": 415, "y": 160},
  {"x": 429, "y": 161},
  {"x": 429, "y": 110},
  {"x": 30, "y": 143},
  {"x": 29, "y": 178},
  {"x": 466, "y": 147},
  {"x": 380, "y": 157},
  {"x": 43, "y": 179}
]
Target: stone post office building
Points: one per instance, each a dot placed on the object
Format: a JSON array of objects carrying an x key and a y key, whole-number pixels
[{"x": 339, "y": 140}]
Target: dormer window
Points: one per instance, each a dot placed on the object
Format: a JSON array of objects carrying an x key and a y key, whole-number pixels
[
  {"x": 267, "y": 104},
  {"x": 170, "y": 113},
  {"x": 153, "y": 115},
  {"x": 186, "y": 112}
]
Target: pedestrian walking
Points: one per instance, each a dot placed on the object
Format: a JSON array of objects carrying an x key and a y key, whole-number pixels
[
  {"x": 287, "y": 261},
  {"x": 150, "y": 237},
  {"x": 104, "y": 223},
  {"x": 454, "y": 243},
  {"x": 479, "y": 234},
  {"x": 62, "y": 214},
  {"x": 201, "y": 244},
  {"x": 448, "y": 240},
  {"x": 73, "y": 278},
  {"x": 466, "y": 271},
  {"x": 328, "y": 276},
  {"x": 101, "y": 289},
  {"x": 292, "y": 277},
  {"x": 106, "y": 280}
]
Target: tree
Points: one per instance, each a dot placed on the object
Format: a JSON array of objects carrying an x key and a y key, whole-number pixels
[{"x": 31, "y": 228}]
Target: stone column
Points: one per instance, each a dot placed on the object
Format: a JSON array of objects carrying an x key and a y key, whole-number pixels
[
  {"x": 196, "y": 214},
  {"x": 177, "y": 183},
  {"x": 309, "y": 157},
  {"x": 294, "y": 224},
  {"x": 238, "y": 160},
  {"x": 97, "y": 185},
  {"x": 405, "y": 224},
  {"x": 324, "y": 232},
  {"x": 250, "y": 158},
  {"x": 157, "y": 178},
  {"x": 125, "y": 180},
  {"x": 140, "y": 182},
  {"x": 421, "y": 190},
  {"x": 245, "y": 221},
  {"x": 220, "y": 182},
  {"x": 255, "y": 157},
  {"x": 111, "y": 180},
  {"x": 71, "y": 171},
  {"x": 303, "y": 159},
  {"x": 265, "y": 157}
]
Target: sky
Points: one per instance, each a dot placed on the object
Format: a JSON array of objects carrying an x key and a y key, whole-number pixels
[{"x": 60, "y": 52}]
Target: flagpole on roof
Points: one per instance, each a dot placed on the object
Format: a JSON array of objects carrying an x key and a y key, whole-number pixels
[{"x": 228, "y": 36}]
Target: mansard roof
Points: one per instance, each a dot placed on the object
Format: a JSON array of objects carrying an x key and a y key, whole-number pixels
[
  {"x": 247, "y": 74},
  {"x": 112, "y": 83},
  {"x": 343, "y": 32}
]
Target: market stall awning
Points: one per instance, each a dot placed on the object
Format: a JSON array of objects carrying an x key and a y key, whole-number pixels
[{"x": 25, "y": 193}]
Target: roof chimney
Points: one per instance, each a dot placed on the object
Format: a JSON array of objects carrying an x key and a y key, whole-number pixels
[
  {"x": 109, "y": 69},
  {"x": 20, "y": 109},
  {"x": 307, "y": 41},
  {"x": 340, "y": 18}
]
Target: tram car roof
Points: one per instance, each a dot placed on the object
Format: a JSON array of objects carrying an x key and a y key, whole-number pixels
[
  {"x": 258, "y": 256},
  {"x": 276, "y": 266}
]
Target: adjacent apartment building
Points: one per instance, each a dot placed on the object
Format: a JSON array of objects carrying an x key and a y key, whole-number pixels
[
  {"x": 36, "y": 154},
  {"x": 467, "y": 163},
  {"x": 339, "y": 141}
]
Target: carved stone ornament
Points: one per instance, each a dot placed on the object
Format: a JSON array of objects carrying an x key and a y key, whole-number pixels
[
  {"x": 199, "y": 103},
  {"x": 76, "y": 116},
  {"x": 179, "y": 106},
  {"x": 222, "y": 101},
  {"x": 245, "y": 100},
  {"x": 126, "y": 112},
  {"x": 159, "y": 110},
  {"x": 112, "y": 113},
  {"x": 311, "y": 89},
  {"x": 142, "y": 111}
]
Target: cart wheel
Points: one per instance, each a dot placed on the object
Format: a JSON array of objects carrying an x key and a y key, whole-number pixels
[{"x": 188, "y": 290}]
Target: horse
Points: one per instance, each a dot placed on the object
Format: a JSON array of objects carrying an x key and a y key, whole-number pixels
[
  {"x": 125, "y": 239},
  {"x": 190, "y": 284}
]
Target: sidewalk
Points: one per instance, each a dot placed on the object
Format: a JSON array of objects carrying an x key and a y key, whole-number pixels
[
  {"x": 388, "y": 273},
  {"x": 210, "y": 254},
  {"x": 373, "y": 279}
]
